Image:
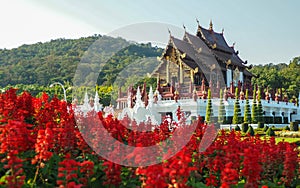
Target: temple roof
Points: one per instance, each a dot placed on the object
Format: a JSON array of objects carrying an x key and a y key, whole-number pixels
[
  {"x": 206, "y": 51},
  {"x": 214, "y": 39},
  {"x": 199, "y": 54},
  {"x": 198, "y": 43}
]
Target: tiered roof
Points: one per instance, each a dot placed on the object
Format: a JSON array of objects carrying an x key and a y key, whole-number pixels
[{"x": 205, "y": 49}]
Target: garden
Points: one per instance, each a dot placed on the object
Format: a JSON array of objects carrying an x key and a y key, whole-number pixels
[{"x": 42, "y": 145}]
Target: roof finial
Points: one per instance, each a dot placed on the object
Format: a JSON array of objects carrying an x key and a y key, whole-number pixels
[
  {"x": 184, "y": 27},
  {"x": 233, "y": 45},
  {"x": 169, "y": 32},
  {"x": 197, "y": 21},
  {"x": 210, "y": 25},
  {"x": 222, "y": 31}
]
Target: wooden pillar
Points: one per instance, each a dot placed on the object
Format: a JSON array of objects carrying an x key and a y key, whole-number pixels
[
  {"x": 192, "y": 75},
  {"x": 180, "y": 73},
  {"x": 168, "y": 71}
]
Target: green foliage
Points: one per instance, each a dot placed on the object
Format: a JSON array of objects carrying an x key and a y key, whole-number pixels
[
  {"x": 247, "y": 114},
  {"x": 294, "y": 126},
  {"x": 286, "y": 128},
  {"x": 279, "y": 76},
  {"x": 266, "y": 128},
  {"x": 270, "y": 132},
  {"x": 236, "y": 109},
  {"x": 245, "y": 127},
  {"x": 259, "y": 108},
  {"x": 221, "y": 110},
  {"x": 237, "y": 128},
  {"x": 209, "y": 111},
  {"x": 260, "y": 125},
  {"x": 57, "y": 60},
  {"x": 250, "y": 131},
  {"x": 253, "y": 109}
]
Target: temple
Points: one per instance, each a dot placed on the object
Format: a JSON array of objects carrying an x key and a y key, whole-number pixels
[
  {"x": 188, "y": 68},
  {"x": 198, "y": 62}
]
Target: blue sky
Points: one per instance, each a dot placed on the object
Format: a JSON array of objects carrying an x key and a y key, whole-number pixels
[{"x": 264, "y": 31}]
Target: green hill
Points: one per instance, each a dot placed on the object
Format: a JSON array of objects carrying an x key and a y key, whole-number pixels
[{"x": 57, "y": 60}]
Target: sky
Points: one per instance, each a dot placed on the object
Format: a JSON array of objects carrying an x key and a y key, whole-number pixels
[{"x": 263, "y": 31}]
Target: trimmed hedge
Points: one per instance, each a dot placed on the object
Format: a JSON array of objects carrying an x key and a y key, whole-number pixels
[
  {"x": 266, "y": 128},
  {"x": 245, "y": 127},
  {"x": 270, "y": 132},
  {"x": 260, "y": 125},
  {"x": 294, "y": 126},
  {"x": 250, "y": 130},
  {"x": 237, "y": 128}
]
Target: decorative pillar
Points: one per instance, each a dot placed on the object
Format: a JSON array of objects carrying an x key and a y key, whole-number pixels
[
  {"x": 241, "y": 79},
  {"x": 239, "y": 85},
  {"x": 191, "y": 87},
  {"x": 180, "y": 73},
  {"x": 228, "y": 77},
  {"x": 168, "y": 71},
  {"x": 97, "y": 105},
  {"x": 192, "y": 76},
  {"x": 232, "y": 88},
  {"x": 151, "y": 98},
  {"x": 202, "y": 85},
  {"x": 211, "y": 86}
]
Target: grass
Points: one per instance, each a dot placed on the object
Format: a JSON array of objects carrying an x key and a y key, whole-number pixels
[{"x": 286, "y": 139}]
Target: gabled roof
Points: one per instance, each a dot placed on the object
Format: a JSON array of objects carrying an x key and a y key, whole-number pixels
[
  {"x": 198, "y": 53},
  {"x": 196, "y": 41},
  {"x": 205, "y": 50},
  {"x": 214, "y": 39}
]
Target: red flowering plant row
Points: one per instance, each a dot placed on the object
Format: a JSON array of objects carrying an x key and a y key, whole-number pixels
[{"x": 42, "y": 145}]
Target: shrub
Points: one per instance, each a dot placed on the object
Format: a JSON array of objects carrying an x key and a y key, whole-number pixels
[
  {"x": 294, "y": 126},
  {"x": 221, "y": 110},
  {"x": 286, "y": 128},
  {"x": 237, "y": 109},
  {"x": 260, "y": 125},
  {"x": 247, "y": 112},
  {"x": 270, "y": 132},
  {"x": 245, "y": 127},
  {"x": 253, "y": 108},
  {"x": 266, "y": 128},
  {"x": 208, "y": 108},
  {"x": 237, "y": 128},
  {"x": 250, "y": 131},
  {"x": 259, "y": 108}
]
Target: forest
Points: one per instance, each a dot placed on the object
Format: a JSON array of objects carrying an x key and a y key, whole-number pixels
[{"x": 38, "y": 65}]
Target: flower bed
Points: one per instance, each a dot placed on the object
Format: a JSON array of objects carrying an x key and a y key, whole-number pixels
[{"x": 42, "y": 145}]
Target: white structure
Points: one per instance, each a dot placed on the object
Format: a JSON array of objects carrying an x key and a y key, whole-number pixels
[
  {"x": 192, "y": 109},
  {"x": 158, "y": 108},
  {"x": 88, "y": 104}
]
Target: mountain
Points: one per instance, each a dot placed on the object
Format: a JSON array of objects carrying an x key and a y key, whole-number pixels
[{"x": 57, "y": 60}]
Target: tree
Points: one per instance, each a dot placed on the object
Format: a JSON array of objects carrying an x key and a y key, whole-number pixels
[
  {"x": 259, "y": 108},
  {"x": 236, "y": 109},
  {"x": 208, "y": 107},
  {"x": 250, "y": 131},
  {"x": 247, "y": 114},
  {"x": 222, "y": 112},
  {"x": 253, "y": 110}
]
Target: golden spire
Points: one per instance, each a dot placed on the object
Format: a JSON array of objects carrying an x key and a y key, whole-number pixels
[{"x": 210, "y": 25}]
